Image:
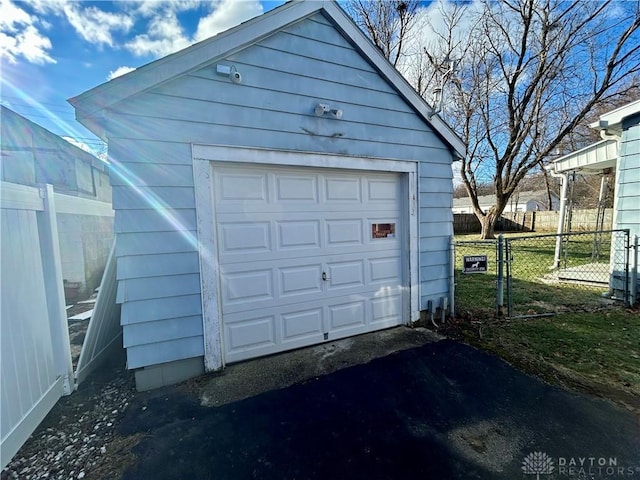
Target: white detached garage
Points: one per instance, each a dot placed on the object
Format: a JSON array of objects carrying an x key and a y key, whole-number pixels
[{"x": 275, "y": 186}]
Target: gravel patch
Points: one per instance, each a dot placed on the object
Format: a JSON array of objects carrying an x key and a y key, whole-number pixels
[{"x": 78, "y": 438}]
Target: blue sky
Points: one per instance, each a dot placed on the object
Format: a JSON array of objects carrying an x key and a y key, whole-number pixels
[{"x": 51, "y": 50}]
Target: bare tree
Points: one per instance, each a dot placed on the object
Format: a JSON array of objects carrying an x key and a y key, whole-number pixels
[
  {"x": 387, "y": 22},
  {"x": 530, "y": 72}
]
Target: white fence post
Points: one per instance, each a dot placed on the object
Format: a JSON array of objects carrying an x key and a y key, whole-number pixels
[{"x": 52, "y": 269}]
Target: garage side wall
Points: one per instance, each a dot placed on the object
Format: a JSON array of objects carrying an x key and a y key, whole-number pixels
[
  {"x": 628, "y": 187},
  {"x": 150, "y": 139}
]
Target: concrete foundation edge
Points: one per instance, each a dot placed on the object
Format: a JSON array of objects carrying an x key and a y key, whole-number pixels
[{"x": 170, "y": 373}]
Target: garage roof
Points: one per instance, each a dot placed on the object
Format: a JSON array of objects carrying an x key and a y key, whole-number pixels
[{"x": 90, "y": 105}]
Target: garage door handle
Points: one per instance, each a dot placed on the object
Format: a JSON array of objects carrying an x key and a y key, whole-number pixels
[{"x": 324, "y": 276}]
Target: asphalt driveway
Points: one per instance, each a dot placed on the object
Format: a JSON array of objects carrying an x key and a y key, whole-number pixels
[{"x": 442, "y": 410}]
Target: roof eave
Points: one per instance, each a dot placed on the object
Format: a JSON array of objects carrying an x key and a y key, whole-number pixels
[
  {"x": 164, "y": 69},
  {"x": 389, "y": 72},
  {"x": 90, "y": 103},
  {"x": 615, "y": 117}
]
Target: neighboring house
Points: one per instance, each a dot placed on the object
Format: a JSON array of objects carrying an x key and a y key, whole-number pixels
[
  {"x": 33, "y": 156},
  {"x": 529, "y": 201},
  {"x": 619, "y": 150},
  {"x": 275, "y": 186}
]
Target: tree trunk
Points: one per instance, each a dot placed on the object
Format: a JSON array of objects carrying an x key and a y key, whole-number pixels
[{"x": 488, "y": 223}]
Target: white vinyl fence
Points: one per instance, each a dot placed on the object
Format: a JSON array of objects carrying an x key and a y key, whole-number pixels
[
  {"x": 35, "y": 355},
  {"x": 104, "y": 332}
]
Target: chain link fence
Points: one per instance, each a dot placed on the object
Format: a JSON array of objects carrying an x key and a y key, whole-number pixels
[
  {"x": 537, "y": 275},
  {"x": 548, "y": 274}
]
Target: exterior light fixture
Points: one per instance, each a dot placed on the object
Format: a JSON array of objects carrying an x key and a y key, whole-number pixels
[
  {"x": 322, "y": 109},
  {"x": 229, "y": 71}
]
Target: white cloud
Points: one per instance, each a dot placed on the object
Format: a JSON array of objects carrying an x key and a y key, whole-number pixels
[
  {"x": 227, "y": 14},
  {"x": 49, "y": 6},
  {"x": 165, "y": 35},
  {"x": 151, "y": 8},
  {"x": 119, "y": 72},
  {"x": 11, "y": 16},
  {"x": 95, "y": 25},
  {"x": 33, "y": 46},
  {"x": 23, "y": 26},
  {"x": 19, "y": 36}
]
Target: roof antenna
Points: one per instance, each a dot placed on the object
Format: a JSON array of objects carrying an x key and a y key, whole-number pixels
[{"x": 438, "y": 96}]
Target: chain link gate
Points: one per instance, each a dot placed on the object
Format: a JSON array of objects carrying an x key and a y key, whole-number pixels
[
  {"x": 477, "y": 287},
  {"x": 550, "y": 274},
  {"x": 540, "y": 275}
]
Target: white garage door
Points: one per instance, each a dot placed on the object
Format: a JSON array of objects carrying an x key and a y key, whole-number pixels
[{"x": 306, "y": 255}]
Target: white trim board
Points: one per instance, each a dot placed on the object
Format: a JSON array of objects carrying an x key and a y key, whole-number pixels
[
  {"x": 205, "y": 155},
  {"x": 20, "y": 197},
  {"x": 82, "y": 316},
  {"x": 82, "y": 206},
  {"x": 223, "y": 153}
]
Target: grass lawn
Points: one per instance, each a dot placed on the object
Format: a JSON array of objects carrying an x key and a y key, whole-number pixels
[
  {"x": 597, "y": 352},
  {"x": 536, "y": 285},
  {"x": 587, "y": 345}
]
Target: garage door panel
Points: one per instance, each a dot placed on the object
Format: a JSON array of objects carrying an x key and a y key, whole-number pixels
[
  {"x": 340, "y": 232},
  {"x": 251, "y": 334},
  {"x": 347, "y": 315},
  {"x": 296, "y": 188},
  {"x": 249, "y": 237},
  {"x": 349, "y": 273},
  {"x": 298, "y": 234},
  {"x": 385, "y": 270},
  {"x": 341, "y": 189},
  {"x": 248, "y": 286},
  {"x": 256, "y": 333},
  {"x": 301, "y": 279},
  {"x": 310, "y": 209},
  {"x": 300, "y": 325},
  {"x": 386, "y": 307},
  {"x": 382, "y": 190},
  {"x": 366, "y": 291},
  {"x": 251, "y": 287},
  {"x": 241, "y": 188},
  {"x": 245, "y": 287},
  {"x": 380, "y": 266}
]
